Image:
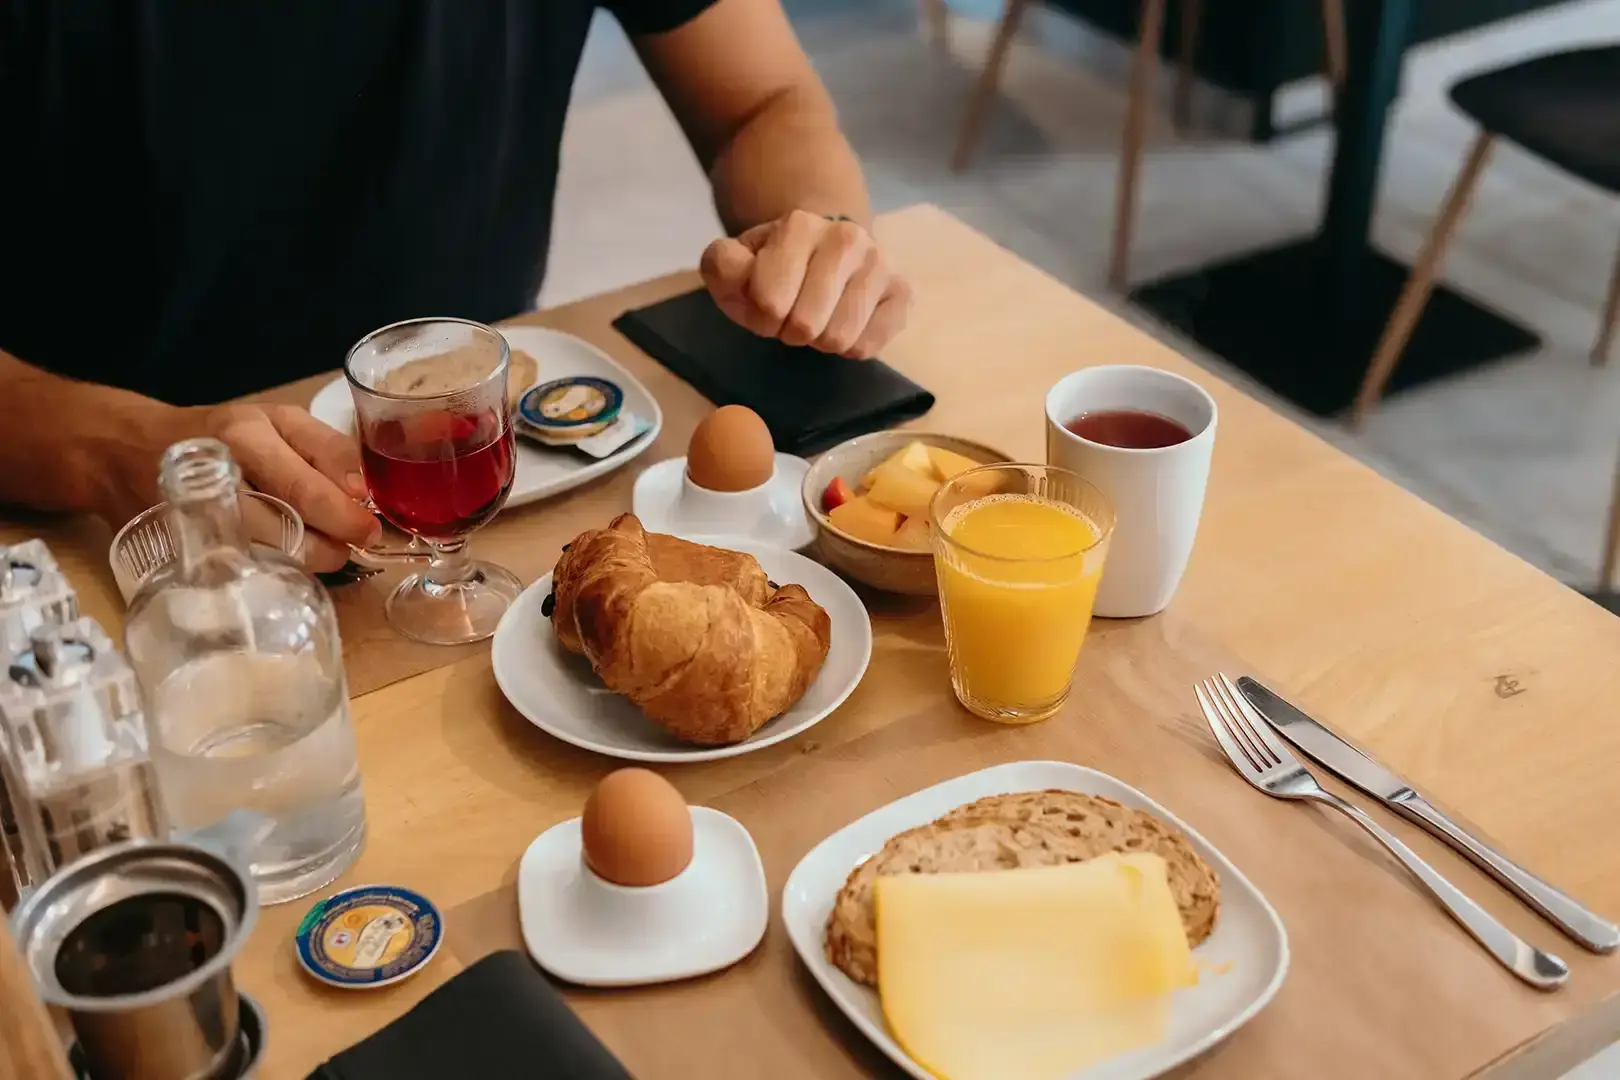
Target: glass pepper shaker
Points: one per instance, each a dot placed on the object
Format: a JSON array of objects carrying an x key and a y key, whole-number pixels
[
  {"x": 80, "y": 775},
  {"x": 33, "y": 592}
]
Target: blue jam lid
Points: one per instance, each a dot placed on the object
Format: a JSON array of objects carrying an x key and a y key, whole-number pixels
[
  {"x": 571, "y": 403},
  {"x": 369, "y": 936}
]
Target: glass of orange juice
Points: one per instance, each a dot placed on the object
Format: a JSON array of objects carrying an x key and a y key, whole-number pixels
[{"x": 1019, "y": 551}]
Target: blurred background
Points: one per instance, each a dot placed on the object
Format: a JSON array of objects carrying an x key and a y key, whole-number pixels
[{"x": 1236, "y": 159}]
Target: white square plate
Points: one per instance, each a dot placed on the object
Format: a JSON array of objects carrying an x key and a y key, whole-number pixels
[{"x": 1241, "y": 964}]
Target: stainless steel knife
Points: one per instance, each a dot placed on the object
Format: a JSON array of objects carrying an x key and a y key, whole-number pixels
[{"x": 1349, "y": 763}]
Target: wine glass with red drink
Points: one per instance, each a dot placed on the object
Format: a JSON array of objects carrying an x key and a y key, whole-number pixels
[{"x": 436, "y": 446}]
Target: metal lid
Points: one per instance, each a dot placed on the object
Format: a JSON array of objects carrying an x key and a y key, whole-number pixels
[
  {"x": 33, "y": 591},
  {"x": 570, "y": 408},
  {"x": 369, "y": 936}
]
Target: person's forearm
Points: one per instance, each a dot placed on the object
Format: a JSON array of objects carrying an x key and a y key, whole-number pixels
[
  {"x": 64, "y": 445},
  {"x": 788, "y": 156}
]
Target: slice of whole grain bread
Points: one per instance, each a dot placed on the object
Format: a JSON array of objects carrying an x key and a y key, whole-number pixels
[{"x": 1005, "y": 832}]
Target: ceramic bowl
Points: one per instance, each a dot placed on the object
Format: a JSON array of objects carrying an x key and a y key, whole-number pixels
[{"x": 891, "y": 569}]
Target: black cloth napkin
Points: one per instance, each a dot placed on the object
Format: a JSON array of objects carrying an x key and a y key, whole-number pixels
[
  {"x": 810, "y": 400},
  {"x": 499, "y": 1018}
]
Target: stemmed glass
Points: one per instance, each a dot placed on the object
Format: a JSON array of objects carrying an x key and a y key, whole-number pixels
[{"x": 439, "y": 459}]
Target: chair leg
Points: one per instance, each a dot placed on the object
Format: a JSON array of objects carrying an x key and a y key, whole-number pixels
[
  {"x": 1334, "y": 45},
  {"x": 1143, "y": 66},
  {"x": 1611, "y": 319},
  {"x": 1192, "y": 17},
  {"x": 1421, "y": 282},
  {"x": 936, "y": 16},
  {"x": 989, "y": 80}
]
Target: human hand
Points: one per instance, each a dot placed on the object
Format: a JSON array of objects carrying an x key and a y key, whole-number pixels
[
  {"x": 807, "y": 280},
  {"x": 282, "y": 451}
]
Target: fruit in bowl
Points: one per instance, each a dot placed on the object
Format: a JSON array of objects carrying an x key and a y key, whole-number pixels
[{"x": 890, "y": 508}]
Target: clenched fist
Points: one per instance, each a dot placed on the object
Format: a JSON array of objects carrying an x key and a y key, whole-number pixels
[{"x": 809, "y": 280}]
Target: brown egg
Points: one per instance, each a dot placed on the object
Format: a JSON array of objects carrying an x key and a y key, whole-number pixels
[
  {"x": 636, "y": 830},
  {"x": 731, "y": 450}
]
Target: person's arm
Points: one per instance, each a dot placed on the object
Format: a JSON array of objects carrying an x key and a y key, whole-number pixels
[
  {"x": 802, "y": 265},
  {"x": 757, "y": 115},
  {"x": 68, "y": 445},
  {"x": 79, "y": 446}
]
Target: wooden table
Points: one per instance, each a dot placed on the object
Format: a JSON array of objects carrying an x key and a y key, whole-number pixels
[{"x": 1483, "y": 680}]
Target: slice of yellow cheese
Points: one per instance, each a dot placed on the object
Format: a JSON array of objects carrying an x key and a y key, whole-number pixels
[{"x": 1029, "y": 974}]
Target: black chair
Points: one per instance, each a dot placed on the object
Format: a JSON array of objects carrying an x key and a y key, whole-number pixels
[{"x": 1565, "y": 109}]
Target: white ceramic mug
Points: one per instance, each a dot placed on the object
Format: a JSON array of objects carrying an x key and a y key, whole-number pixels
[{"x": 1157, "y": 493}]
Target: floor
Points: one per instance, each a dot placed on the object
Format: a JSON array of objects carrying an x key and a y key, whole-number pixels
[{"x": 1523, "y": 451}]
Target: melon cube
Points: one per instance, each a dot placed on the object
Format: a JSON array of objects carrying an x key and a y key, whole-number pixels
[
  {"x": 865, "y": 520},
  {"x": 913, "y": 456},
  {"x": 915, "y": 535},
  {"x": 900, "y": 488},
  {"x": 950, "y": 465}
]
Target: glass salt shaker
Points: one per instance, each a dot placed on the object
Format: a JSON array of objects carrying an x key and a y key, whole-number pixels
[
  {"x": 238, "y": 656},
  {"x": 80, "y": 775},
  {"x": 33, "y": 592}
]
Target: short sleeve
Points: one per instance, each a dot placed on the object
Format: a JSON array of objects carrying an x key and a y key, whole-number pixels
[{"x": 655, "y": 16}]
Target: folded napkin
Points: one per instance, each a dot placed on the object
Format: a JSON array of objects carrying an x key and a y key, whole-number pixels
[
  {"x": 809, "y": 400},
  {"x": 499, "y": 1018}
]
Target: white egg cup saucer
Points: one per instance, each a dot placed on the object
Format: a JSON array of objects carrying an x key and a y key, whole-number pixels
[
  {"x": 591, "y": 932},
  {"x": 667, "y": 501}
]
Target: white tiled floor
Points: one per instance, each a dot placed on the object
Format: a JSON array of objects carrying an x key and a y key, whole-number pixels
[{"x": 1522, "y": 451}]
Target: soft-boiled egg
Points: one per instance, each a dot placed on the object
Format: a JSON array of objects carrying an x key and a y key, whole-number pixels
[
  {"x": 636, "y": 829},
  {"x": 731, "y": 450}
]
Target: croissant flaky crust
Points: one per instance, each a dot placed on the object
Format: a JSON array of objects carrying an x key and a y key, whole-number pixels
[{"x": 695, "y": 636}]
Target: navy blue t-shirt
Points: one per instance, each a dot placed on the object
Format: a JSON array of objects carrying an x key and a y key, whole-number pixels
[{"x": 199, "y": 199}]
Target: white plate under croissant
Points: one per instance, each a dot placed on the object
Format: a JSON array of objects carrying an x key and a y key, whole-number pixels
[{"x": 558, "y": 691}]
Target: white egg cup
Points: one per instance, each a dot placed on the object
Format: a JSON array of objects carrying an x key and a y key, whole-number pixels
[
  {"x": 667, "y": 501},
  {"x": 591, "y": 932}
]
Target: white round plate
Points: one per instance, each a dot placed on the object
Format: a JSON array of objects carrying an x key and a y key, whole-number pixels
[
  {"x": 780, "y": 522},
  {"x": 542, "y": 471},
  {"x": 560, "y": 694},
  {"x": 586, "y": 931}
]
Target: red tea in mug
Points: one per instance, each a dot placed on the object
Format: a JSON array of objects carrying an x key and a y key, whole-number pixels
[{"x": 1129, "y": 429}]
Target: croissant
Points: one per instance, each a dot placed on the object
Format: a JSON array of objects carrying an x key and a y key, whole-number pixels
[{"x": 696, "y": 636}]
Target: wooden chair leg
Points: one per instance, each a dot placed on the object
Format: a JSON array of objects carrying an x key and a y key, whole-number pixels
[
  {"x": 1192, "y": 17},
  {"x": 1421, "y": 282},
  {"x": 937, "y": 17},
  {"x": 1334, "y": 45},
  {"x": 989, "y": 80},
  {"x": 1611, "y": 319},
  {"x": 1143, "y": 66}
]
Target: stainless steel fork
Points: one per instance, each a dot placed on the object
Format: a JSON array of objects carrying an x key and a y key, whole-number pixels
[{"x": 1265, "y": 761}]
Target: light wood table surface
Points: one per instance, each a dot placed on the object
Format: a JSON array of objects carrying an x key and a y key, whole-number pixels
[{"x": 1485, "y": 682}]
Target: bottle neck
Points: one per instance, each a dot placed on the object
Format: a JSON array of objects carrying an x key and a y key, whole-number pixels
[{"x": 200, "y": 480}]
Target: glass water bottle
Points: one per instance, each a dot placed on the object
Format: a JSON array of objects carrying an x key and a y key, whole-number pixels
[{"x": 238, "y": 656}]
